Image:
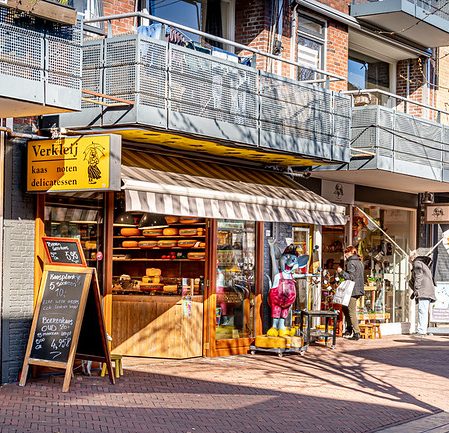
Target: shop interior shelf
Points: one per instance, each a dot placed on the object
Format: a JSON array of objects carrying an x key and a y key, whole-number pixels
[
  {"x": 157, "y": 260},
  {"x": 159, "y": 237},
  {"x": 160, "y": 248}
]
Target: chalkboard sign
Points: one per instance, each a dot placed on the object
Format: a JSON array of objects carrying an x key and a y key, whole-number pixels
[
  {"x": 64, "y": 251},
  {"x": 57, "y": 316},
  {"x": 68, "y": 303}
]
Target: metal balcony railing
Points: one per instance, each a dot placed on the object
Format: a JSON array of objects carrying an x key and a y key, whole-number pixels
[
  {"x": 39, "y": 64},
  {"x": 189, "y": 90},
  {"x": 400, "y": 142}
]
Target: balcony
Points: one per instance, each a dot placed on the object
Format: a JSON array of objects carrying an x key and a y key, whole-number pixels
[
  {"x": 40, "y": 66},
  {"x": 425, "y": 22},
  {"x": 411, "y": 152},
  {"x": 142, "y": 83}
]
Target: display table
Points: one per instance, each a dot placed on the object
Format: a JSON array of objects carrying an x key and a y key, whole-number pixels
[{"x": 305, "y": 326}]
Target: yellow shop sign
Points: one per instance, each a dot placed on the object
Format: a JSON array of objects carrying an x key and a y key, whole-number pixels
[{"x": 85, "y": 163}]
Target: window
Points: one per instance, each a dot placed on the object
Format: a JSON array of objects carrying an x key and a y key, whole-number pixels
[
  {"x": 235, "y": 286},
  {"x": 311, "y": 46},
  {"x": 365, "y": 72},
  {"x": 216, "y": 17},
  {"x": 90, "y": 9}
]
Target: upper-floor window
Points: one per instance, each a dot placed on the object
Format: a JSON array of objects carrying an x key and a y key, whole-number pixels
[
  {"x": 211, "y": 16},
  {"x": 365, "y": 72},
  {"x": 311, "y": 46},
  {"x": 90, "y": 9}
]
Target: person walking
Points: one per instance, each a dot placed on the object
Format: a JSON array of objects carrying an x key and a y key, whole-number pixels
[
  {"x": 354, "y": 272},
  {"x": 423, "y": 287}
]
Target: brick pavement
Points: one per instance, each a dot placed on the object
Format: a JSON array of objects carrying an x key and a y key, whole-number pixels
[{"x": 362, "y": 386}]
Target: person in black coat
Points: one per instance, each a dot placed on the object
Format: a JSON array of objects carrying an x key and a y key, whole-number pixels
[{"x": 354, "y": 272}]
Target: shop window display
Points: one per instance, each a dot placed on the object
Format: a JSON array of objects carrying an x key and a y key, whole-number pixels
[
  {"x": 235, "y": 285},
  {"x": 81, "y": 218},
  {"x": 386, "y": 266}
]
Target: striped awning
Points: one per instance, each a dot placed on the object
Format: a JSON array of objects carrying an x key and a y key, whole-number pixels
[{"x": 172, "y": 193}]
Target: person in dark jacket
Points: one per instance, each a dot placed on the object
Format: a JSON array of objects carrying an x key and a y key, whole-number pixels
[
  {"x": 354, "y": 272},
  {"x": 423, "y": 288}
]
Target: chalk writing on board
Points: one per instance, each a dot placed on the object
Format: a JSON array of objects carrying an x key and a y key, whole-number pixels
[
  {"x": 57, "y": 315},
  {"x": 64, "y": 251}
]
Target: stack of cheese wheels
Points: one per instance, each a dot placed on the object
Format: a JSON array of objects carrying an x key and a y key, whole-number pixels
[
  {"x": 194, "y": 255},
  {"x": 129, "y": 231},
  {"x": 200, "y": 231},
  {"x": 188, "y": 232},
  {"x": 129, "y": 244},
  {"x": 90, "y": 245}
]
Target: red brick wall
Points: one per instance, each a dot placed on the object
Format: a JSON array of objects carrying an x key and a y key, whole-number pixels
[
  {"x": 115, "y": 7},
  {"x": 337, "y": 53},
  {"x": 252, "y": 25},
  {"x": 410, "y": 71}
]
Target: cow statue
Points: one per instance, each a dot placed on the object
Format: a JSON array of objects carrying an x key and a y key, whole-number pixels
[{"x": 282, "y": 293}]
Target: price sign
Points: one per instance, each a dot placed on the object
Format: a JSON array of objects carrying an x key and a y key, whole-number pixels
[{"x": 64, "y": 251}]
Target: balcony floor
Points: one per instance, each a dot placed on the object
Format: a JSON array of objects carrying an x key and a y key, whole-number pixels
[
  {"x": 383, "y": 179},
  {"x": 14, "y": 108}
]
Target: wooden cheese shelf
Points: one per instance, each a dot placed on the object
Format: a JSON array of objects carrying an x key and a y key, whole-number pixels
[
  {"x": 159, "y": 237},
  {"x": 157, "y": 260},
  {"x": 160, "y": 248}
]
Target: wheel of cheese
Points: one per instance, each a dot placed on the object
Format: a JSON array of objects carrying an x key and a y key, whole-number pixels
[
  {"x": 151, "y": 280},
  {"x": 129, "y": 244},
  {"x": 90, "y": 245},
  {"x": 147, "y": 244},
  {"x": 153, "y": 272},
  {"x": 152, "y": 232},
  {"x": 167, "y": 243},
  {"x": 194, "y": 255},
  {"x": 130, "y": 231},
  {"x": 200, "y": 231},
  {"x": 171, "y": 219},
  {"x": 171, "y": 288},
  {"x": 170, "y": 232},
  {"x": 187, "y": 243},
  {"x": 189, "y": 220},
  {"x": 188, "y": 232}
]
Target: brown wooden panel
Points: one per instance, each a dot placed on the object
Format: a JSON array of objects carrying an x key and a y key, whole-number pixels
[
  {"x": 45, "y": 9},
  {"x": 155, "y": 326}
]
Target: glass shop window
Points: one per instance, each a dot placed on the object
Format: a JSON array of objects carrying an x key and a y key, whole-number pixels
[
  {"x": 81, "y": 218},
  {"x": 235, "y": 286}
]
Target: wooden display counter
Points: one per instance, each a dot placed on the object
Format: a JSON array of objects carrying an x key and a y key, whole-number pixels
[{"x": 157, "y": 326}]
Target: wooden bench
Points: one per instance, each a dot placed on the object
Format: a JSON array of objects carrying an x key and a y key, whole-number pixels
[
  {"x": 366, "y": 330},
  {"x": 370, "y": 330},
  {"x": 118, "y": 367}
]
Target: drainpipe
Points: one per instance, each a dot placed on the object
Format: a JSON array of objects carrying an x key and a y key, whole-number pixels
[
  {"x": 407, "y": 85},
  {"x": 10, "y": 133},
  {"x": 293, "y": 39}
]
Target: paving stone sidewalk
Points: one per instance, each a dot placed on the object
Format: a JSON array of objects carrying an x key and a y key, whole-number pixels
[{"x": 363, "y": 386}]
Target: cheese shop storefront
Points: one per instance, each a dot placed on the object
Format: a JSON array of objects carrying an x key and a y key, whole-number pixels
[{"x": 180, "y": 249}]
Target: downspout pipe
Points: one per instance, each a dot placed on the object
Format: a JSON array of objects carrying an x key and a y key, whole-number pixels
[{"x": 293, "y": 37}]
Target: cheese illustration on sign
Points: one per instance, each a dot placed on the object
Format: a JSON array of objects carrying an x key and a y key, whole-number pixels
[{"x": 74, "y": 164}]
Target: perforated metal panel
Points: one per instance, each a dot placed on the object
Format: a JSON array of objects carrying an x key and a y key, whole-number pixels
[
  {"x": 290, "y": 108},
  {"x": 204, "y": 86},
  {"x": 342, "y": 120}
]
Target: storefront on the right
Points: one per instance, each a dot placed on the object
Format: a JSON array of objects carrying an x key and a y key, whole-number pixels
[{"x": 382, "y": 225}]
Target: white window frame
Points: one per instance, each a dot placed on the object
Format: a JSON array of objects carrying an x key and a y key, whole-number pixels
[{"x": 300, "y": 33}]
